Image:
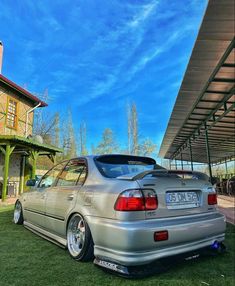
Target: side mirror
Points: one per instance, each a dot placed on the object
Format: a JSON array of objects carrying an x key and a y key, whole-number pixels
[{"x": 31, "y": 183}]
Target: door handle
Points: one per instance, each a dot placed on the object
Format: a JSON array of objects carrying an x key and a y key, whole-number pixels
[{"x": 70, "y": 197}]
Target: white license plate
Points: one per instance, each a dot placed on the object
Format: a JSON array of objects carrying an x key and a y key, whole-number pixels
[{"x": 182, "y": 200}]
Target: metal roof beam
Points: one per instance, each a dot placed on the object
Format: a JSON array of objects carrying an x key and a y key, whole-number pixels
[
  {"x": 209, "y": 101},
  {"x": 220, "y": 132},
  {"x": 222, "y": 115},
  {"x": 229, "y": 116},
  {"x": 223, "y": 127},
  {"x": 196, "y": 113},
  {"x": 215, "y": 140},
  {"x": 204, "y": 108},
  {"x": 193, "y": 124},
  {"x": 211, "y": 115},
  {"x": 217, "y": 92},
  {"x": 230, "y": 135},
  {"x": 220, "y": 79},
  {"x": 227, "y": 122},
  {"x": 228, "y": 65},
  {"x": 215, "y": 143}
]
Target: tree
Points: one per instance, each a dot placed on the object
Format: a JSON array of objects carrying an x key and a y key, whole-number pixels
[
  {"x": 107, "y": 144},
  {"x": 133, "y": 133},
  {"x": 57, "y": 129},
  {"x": 147, "y": 147},
  {"x": 129, "y": 133},
  {"x": 72, "y": 140},
  {"x": 48, "y": 127},
  {"x": 82, "y": 139},
  {"x": 44, "y": 125},
  {"x": 68, "y": 138}
]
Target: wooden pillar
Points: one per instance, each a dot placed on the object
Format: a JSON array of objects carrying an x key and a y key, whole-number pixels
[
  {"x": 22, "y": 173},
  {"x": 34, "y": 157},
  {"x": 52, "y": 157},
  {"x": 7, "y": 153}
]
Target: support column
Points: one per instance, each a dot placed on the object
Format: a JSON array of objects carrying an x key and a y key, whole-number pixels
[
  {"x": 7, "y": 153},
  {"x": 226, "y": 168},
  {"x": 22, "y": 173},
  {"x": 52, "y": 157},
  {"x": 34, "y": 156},
  {"x": 208, "y": 153},
  {"x": 191, "y": 154},
  {"x": 182, "y": 164},
  {"x": 170, "y": 164},
  {"x": 175, "y": 164}
]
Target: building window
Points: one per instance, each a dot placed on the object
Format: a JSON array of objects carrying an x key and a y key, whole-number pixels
[{"x": 11, "y": 120}]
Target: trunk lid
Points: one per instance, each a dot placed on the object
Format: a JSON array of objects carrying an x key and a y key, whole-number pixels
[{"x": 177, "y": 196}]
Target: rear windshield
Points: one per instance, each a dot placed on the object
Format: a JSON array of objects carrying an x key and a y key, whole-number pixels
[{"x": 113, "y": 166}]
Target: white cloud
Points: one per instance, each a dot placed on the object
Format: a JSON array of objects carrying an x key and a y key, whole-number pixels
[
  {"x": 145, "y": 12},
  {"x": 126, "y": 40},
  {"x": 152, "y": 53},
  {"x": 114, "y": 42}
]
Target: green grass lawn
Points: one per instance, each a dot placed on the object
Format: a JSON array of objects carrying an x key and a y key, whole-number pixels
[{"x": 26, "y": 259}]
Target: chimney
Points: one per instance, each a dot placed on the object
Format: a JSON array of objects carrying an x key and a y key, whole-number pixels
[{"x": 1, "y": 56}]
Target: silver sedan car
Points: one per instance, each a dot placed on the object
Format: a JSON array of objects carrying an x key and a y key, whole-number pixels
[{"x": 122, "y": 210}]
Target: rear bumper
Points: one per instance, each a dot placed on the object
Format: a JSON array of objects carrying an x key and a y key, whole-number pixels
[{"x": 132, "y": 243}]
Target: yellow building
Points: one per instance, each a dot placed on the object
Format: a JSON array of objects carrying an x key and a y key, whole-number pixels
[
  {"x": 16, "y": 109},
  {"x": 17, "y": 145}
]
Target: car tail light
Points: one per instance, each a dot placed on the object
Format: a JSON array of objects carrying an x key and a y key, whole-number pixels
[
  {"x": 151, "y": 202},
  {"x": 161, "y": 235},
  {"x": 212, "y": 199},
  {"x": 136, "y": 200}
]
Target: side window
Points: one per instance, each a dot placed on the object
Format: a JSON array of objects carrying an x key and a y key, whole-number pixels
[
  {"x": 11, "y": 117},
  {"x": 49, "y": 178},
  {"x": 74, "y": 173},
  {"x": 82, "y": 176}
]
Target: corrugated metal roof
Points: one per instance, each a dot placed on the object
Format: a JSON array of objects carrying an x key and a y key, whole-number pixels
[{"x": 206, "y": 95}]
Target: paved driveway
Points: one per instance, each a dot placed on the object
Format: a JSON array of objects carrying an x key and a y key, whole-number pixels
[{"x": 226, "y": 206}]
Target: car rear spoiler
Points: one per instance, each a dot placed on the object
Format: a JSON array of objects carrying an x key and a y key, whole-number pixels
[{"x": 164, "y": 172}]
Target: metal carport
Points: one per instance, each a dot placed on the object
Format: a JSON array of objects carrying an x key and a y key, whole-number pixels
[{"x": 202, "y": 124}]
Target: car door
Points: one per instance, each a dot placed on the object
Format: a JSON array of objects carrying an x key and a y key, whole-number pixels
[
  {"x": 62, "y": 197},
  {"x": 34, "y": 206}
]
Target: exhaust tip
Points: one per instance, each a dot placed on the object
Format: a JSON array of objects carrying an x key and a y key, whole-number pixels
[
  {"x": 215, "y": 245},
  {"x": 218, "y": 246}
]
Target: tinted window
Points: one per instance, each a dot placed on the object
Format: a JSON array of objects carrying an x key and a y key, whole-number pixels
[
  {"x": 112, "y": 166},
  {"x": 74, "y": 173},
  {"x": 49, "y": 178}
]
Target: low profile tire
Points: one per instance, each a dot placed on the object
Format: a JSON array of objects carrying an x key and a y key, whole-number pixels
[
  {"x": 18, "y": 213},
  {"x": 79, "y": 239}
]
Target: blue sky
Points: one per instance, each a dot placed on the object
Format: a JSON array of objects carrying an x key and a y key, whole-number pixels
[{"x": 96, "y": 56}]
